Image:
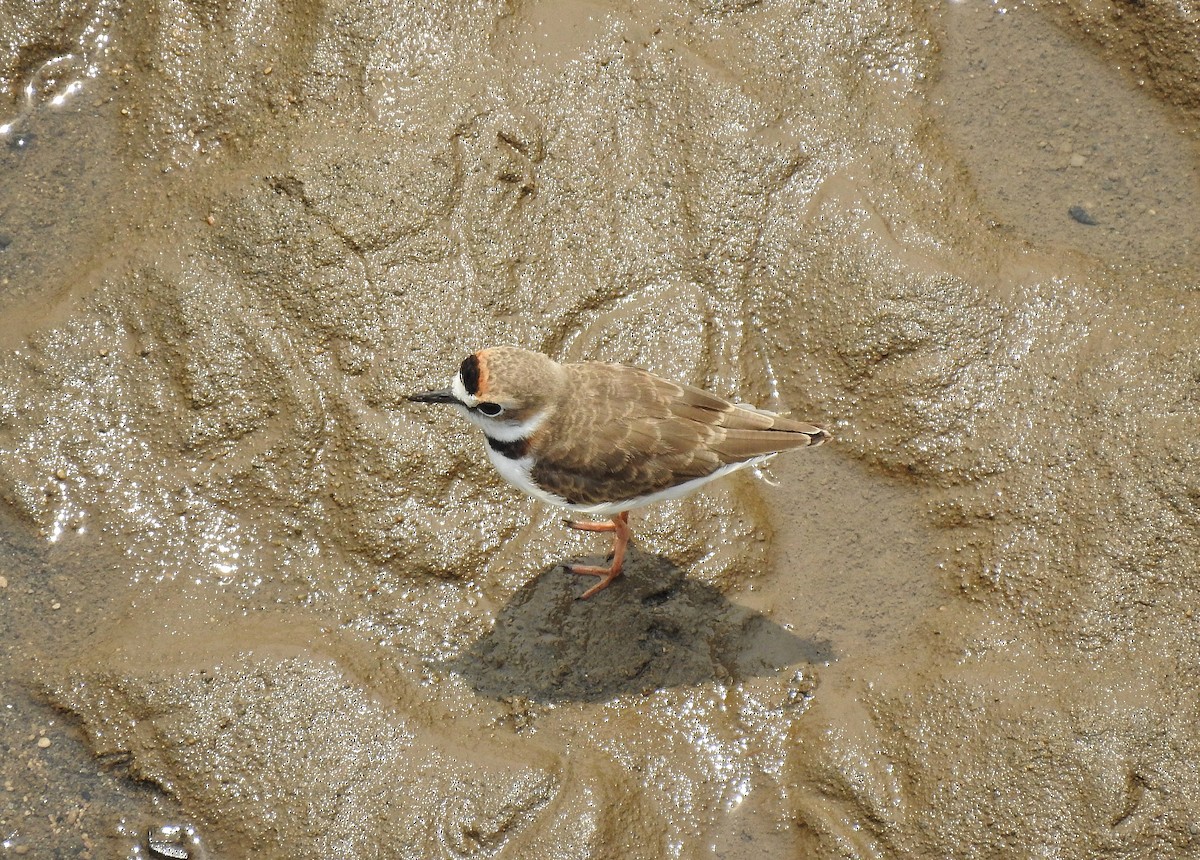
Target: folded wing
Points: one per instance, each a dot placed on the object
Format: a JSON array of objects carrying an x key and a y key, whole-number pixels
[{"x": 629, "y": 434}]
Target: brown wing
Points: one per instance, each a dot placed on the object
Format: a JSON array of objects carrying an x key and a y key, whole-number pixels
[{"x": 621, "y": 432}]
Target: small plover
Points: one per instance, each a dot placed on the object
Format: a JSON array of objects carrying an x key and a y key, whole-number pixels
[{"x": 601, "y": 439}]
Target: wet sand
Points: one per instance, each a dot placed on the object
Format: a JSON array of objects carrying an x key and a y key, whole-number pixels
[{"x": 247, "y": 589}]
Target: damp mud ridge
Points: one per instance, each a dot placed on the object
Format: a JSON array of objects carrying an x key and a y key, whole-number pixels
[{"x": 244, "y": 588}]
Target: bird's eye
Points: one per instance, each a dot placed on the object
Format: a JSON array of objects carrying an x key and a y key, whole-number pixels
[{"x": 491, "y": 409}]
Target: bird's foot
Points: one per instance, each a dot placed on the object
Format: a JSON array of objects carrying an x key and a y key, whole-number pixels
[
  {"x": 606, "y": 574},
  {"x": 589, "y": 526},
  {"x": 619, "y": 525}
]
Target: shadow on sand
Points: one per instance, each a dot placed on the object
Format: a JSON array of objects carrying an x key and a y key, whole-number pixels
[{"x": 652, "y": 628}]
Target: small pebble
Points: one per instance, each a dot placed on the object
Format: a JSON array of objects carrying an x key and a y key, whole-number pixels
[
  {"x": 1082, "y": 216},
  {"x": 1078, "y": 160},
  {"x": 56, "y": 605},
  {"x": 61, "y": 474},
  {"x": 3, "y": 582},
  {"x": 43, "y": 742}
]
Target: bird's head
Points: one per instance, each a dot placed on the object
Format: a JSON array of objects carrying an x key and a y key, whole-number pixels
[{"x": 506, "y": 391}]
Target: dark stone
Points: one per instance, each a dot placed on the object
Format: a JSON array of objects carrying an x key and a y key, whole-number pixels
[{"x": 1081, "y": 215}]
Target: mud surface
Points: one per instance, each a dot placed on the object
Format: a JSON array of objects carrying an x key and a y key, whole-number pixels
[{"x": 246, "y": 588}]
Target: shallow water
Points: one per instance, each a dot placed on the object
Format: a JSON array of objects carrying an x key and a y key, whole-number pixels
[
  {"x": 1044, "y": 126},
  {"x": 58, "y": 798},
  {"x": 61, "y": 191},
  {"x": 854, "y": 558}
]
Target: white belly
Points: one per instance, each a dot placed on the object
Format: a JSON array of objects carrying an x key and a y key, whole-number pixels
[{"x": 517, "y": 473}]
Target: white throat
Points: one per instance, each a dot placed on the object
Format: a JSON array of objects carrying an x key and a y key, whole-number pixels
[{"x": 501, "y": 430}]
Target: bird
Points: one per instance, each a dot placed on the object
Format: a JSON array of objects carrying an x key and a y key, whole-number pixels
[{"x": 602, "y": 439}]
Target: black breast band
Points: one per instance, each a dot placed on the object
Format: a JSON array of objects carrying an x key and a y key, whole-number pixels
[{"x": 513, "y": 450}]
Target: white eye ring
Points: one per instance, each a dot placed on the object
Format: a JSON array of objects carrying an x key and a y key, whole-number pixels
[{"x": 490, "y": 409}]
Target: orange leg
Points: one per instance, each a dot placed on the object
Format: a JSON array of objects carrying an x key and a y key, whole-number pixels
[
  {"x": 620, "y": 527},
  {"x": 588, "y": 526}
]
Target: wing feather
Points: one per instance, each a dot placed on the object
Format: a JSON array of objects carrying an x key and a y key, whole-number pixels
[{"x": 621, "y": 432}]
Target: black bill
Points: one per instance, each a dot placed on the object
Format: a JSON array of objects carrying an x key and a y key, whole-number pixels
[{"x": 444, "y": 395}]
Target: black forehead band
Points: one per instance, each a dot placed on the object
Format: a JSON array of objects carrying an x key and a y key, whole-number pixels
[{"x": 469, "y": 373}]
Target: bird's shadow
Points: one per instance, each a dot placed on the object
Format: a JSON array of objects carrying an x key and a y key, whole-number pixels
[{"x": 652, "y": 628}]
